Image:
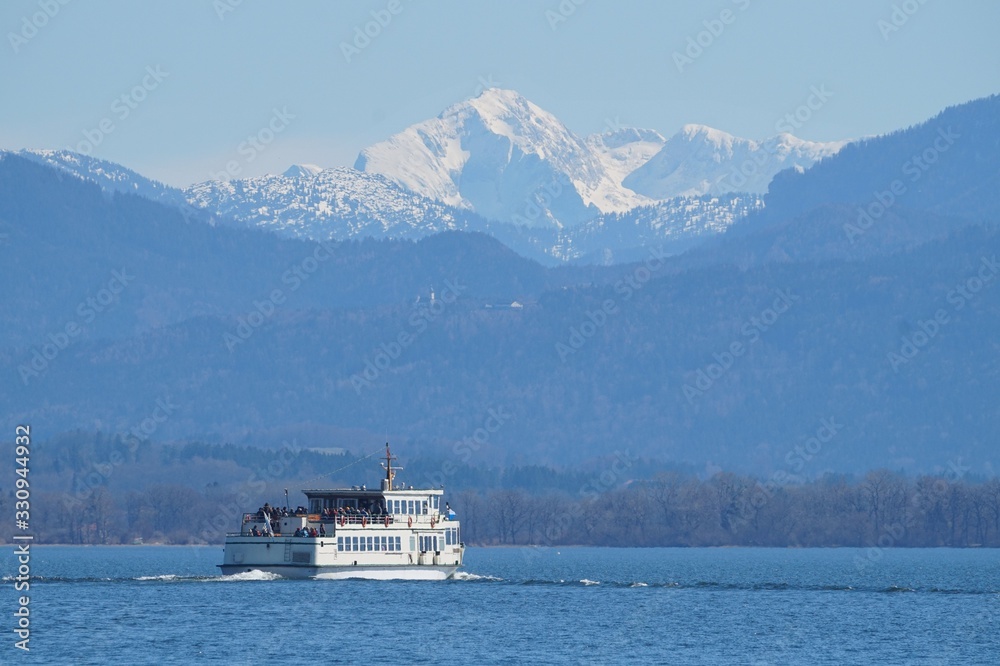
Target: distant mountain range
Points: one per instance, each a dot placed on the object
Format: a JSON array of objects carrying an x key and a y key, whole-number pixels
[
  {"x": 501, "y": 155},
  {"x": 343, "y": 203},
  {"x": 846, "y": 323},
  {"x": 501, "y": 165}
]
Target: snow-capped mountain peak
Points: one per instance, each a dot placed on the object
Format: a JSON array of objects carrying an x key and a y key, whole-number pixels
[
  {"x": 301, "y": 170},
  {"x": 508, "y": 159},
  {"x": 701, "y": 160},
  {"x": 504, "y": 157},
  {"x": 623, "y": 136}
]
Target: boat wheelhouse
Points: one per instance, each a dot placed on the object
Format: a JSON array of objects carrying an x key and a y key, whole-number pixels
[{"x": 352, "y": 533}]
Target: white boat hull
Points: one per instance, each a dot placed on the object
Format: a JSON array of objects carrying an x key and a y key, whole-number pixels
[
  {"x": 312, "y": 557},
  {"x": 347, "y": 572}
]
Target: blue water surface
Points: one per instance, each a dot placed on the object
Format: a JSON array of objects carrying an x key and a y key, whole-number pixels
[{"x": 168, "y": 605}]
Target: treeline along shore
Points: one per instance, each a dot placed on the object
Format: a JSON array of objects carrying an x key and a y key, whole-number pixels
[{"x": 100, "y": 489}]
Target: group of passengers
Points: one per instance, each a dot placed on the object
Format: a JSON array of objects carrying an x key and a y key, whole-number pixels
[
  {"x": 274, "y": 512},
  {"x": 350, "y": 514},
  {"x": 345, "y": 514}
]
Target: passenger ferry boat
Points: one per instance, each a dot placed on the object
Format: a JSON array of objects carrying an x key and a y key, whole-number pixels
[{"x": 352, "y": 533}]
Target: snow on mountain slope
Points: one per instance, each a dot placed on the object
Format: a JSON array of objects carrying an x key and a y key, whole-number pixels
[
  {"x": 624, "y": 150},
  {"x": 700, "y": 160},
  {"x": 110, "y": 176},
  {"x": 505, "y": 158},
  {"x": 344, "y": 203},
  {"x": 672, "y": 226},
  {"x": 335, "y": 203}
]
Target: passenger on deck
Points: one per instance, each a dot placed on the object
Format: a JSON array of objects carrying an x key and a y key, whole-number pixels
[{"x": 322, "y": 530}]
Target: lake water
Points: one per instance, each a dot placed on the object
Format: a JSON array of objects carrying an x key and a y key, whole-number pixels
[{"x": 166, "y": 605}]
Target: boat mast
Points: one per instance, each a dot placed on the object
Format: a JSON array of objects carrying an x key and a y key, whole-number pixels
[{"x": 390, "y": 470}]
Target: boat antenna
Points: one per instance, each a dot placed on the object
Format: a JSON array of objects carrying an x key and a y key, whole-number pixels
[{"x": 286, "y": 498}]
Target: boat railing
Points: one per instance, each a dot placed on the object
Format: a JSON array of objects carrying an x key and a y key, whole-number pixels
[
  {"x": 344, "y": 519},
  {"x": 353, "y": 519}
]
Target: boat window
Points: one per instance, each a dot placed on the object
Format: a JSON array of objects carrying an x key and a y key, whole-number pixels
[
  {"x": 392, "y": 544},
  {"x": 413, "y": 543},
  {"x": 425, "y": 507},
  {"x": 410, "y": 509},
  {"x": 340, "y": 543},
  {"x": 354, "y": 543}
]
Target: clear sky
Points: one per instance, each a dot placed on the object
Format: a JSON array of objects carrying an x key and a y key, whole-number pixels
[{"x": 199, "y": 76}]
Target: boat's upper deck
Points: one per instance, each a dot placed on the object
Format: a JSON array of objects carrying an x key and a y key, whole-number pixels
[{"x": 409, "y": 501}]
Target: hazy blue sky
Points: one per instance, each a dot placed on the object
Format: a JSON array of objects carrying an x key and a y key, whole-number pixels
[{"x": 223, "y": 72}]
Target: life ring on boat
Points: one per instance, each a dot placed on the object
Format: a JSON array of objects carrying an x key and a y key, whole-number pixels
[
  {"x": 409, "y": 521},
  {"x": 387, "y": 521},
  {"x": 364, "y": 521},
  {"x": 433, "y": 522},
  {"x": 343, "y": 520}
]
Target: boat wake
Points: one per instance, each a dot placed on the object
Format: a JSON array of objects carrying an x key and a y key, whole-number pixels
[
  {"x": 466, "y": 576},
  {"x": 254, "y": 574},
  {"x": 160, "y": 577}
]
